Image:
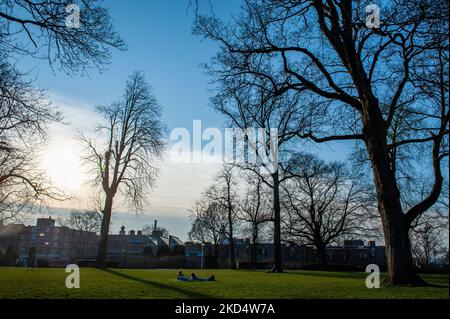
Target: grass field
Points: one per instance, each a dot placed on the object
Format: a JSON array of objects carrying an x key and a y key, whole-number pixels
[{"x": 140, "y": 283}]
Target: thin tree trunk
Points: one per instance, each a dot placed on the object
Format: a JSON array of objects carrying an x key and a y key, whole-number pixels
[
  {"x": 216, "y": 255},
  {"x": 104, "y": 232},
  {"x": 231, "y": 252},
  {"x": 277, "y": 258}
]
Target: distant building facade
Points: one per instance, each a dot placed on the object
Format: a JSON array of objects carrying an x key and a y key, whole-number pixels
[
  {"x": 194, "y": 254},
  {"x": 137, "y": 250},
  {"x": 46, "y": 244},
  {"x": 353, "y": 253}
]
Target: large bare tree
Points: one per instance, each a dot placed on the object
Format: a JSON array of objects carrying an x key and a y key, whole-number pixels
[
  {"x": 363, "y": 78},
  {"x": 324, "y": 203},
  {"x": 131, "y": 139}
]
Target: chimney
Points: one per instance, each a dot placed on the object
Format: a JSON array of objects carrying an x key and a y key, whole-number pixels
[
  {"x": 139, "y": 232},
  {"x": 156, "y": 224},
  {"x": 132, "y": 232}
]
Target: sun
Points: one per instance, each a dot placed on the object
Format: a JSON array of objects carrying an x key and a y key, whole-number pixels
[{"x": 63, "y": 167}]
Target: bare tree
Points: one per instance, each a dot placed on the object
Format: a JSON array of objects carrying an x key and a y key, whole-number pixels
[
  {"x": 362, "y": 78},
  {"x": 209, "y": 223},
  {"x": 429, "y": 233},
  {"x": 24, "y": 116},
  {"x": 223, "y": 192},
  {"x": 22, "y": 186},
  {"x": 428, "y": 243},
  {"x": 86, "y": 222},
  {"x": 148, "y": 230},
  {"x": 250, "y": 109},
  {"x": 131, "y": 141},
  {"x": 255, "y": 209},
  {"x": 323, "y": 203},
  {"x": 83, "y": 220},
  {"x": 38, "y": 29},
  {"x": 54, "y": 30}
]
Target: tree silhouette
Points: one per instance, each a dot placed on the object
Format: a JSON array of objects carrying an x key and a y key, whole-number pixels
[
  {"x": 131, "y": 140},
  {"x": 363, "y": 80}
]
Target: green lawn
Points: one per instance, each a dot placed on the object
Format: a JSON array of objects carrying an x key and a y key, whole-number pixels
[{"x": 142, "y": 283}]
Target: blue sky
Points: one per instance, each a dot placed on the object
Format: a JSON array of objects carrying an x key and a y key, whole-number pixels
[{"x": 160, "y": 43}]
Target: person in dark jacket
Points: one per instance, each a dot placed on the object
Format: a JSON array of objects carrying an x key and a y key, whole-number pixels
[{"x": 195, "y": 278}]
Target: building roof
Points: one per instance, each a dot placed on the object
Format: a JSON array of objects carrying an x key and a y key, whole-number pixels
[
  {"x": 163, "y": 241},
  {"x": 176, "y": 240}
]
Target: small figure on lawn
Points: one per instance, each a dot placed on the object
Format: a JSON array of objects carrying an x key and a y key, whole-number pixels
[
  {"x": 193, "y": 277},
  {"x": 182, "y": 277},
  {"x": 274, "y": 269}
]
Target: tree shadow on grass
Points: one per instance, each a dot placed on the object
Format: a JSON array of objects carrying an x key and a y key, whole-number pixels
[
  {"x": 434, "y": 284},
  {"x": 187, "y": 293},
  {"x": 358, "y": 275}
]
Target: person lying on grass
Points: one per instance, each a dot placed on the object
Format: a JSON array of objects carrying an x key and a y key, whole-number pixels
[{"x": 193, "y": 277}]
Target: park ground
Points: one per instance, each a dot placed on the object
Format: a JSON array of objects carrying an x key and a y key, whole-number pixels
[{"x": 152, "y": 283}]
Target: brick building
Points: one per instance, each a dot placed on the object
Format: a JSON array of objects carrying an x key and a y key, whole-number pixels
[{"x": 47, "y": 244}]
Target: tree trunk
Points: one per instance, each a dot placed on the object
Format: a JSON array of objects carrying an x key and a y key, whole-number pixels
[
  {"x": 216, "y": 255},
  {"x": 398, "y": 250},
  {"x": 104, "y": 232},
  {"x": 401, "y": 270},
  {"x": 231, "y": 252},
  {"x": 321, "y": 253},
  {"x": 254, "y": 249},
  {"x": 277, "y": 259}
]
